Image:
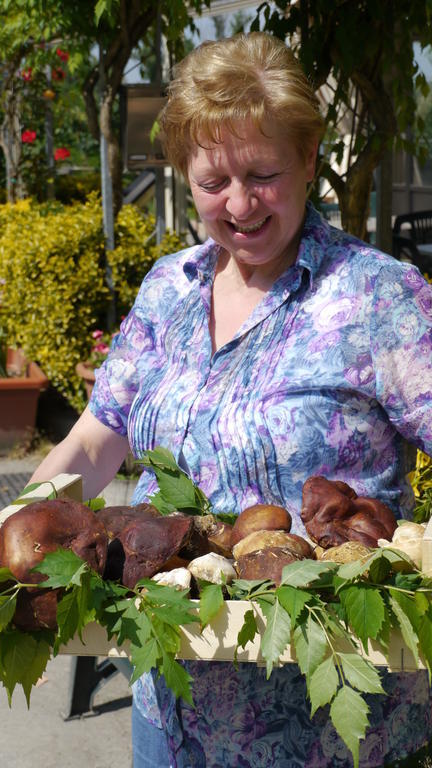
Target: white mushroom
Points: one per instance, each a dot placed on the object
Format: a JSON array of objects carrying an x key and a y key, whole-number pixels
[
  {"x": 408, "y": 539},
  {"x": 180, "y": 578},
  {"x": 212, "y": 567}
]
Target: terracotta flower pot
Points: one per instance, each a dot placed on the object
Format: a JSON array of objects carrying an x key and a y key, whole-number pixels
[
  {"x": 87, "y": 374},
  {"x": 19, "y": 393}
]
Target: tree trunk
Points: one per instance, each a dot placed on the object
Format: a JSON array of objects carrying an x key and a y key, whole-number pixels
[{"x": 10, "y": 142}]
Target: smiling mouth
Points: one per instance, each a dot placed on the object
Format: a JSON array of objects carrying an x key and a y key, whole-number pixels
[{"x": 249, "y": 229}]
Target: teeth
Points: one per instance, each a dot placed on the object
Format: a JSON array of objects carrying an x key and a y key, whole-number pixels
[{"x": 251, "y": 228}]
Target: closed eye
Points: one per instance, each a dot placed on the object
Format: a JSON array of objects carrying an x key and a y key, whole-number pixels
[
  {"x": 265, "y": 178},
  {"x": 213, "y": 186}
]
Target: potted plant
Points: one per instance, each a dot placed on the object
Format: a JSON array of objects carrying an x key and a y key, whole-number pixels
[{"x": 21, "y": 381}]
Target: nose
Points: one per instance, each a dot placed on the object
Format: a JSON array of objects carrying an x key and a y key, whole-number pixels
[{"x": 241, "y": 201}]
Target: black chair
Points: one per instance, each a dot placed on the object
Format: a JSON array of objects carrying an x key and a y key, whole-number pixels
[{"x": 410, "y": 231}]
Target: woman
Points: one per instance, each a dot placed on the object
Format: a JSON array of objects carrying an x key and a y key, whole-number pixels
[{"x": 279, "y": 349}]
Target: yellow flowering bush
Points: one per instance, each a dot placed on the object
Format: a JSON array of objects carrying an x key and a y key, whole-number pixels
[{"x": 52, "y": 274}]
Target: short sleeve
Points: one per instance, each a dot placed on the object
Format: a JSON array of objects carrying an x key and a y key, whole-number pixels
[
  {"x": 117, "y": 380},
  {"x": 401, "y": 344}
]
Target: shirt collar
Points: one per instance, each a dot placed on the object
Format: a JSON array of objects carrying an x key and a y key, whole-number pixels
[{"x": 315, "y": 238}]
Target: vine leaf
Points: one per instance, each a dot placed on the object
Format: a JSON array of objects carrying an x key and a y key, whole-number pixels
[
  {"x": 144, "y": 657},
  {"x": 408, "y": 633},
  {"x": 352, "y": 728},
  {"x": 276, "y": 635},
  {"x": 365, "y": 611},
  {"x": 360, "y": 674},
  {"x": 310, "y": 644},
  {"x": 7, "y": 610},
  {"x": 247, "y": 632},
  {"x": 177, "y": 678},
  {"x": 6, "y": 575},
  {"x": 23, "y": 659},
  {"x": 293, "y": 600},
  {"x": 425, "y": 637},
  {"x": 323, "y": 684},
  {"x": 63, "y": 568},
  {"x": 176, "y": 489},
  {"x": 305, "y": 572},
  {"x": 211, "y": 602}
]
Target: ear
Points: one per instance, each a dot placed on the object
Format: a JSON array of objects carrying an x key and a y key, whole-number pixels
[{"x": 310, "y": 161}]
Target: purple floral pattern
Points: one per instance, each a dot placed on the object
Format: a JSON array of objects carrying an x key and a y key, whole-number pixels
[{"x": 329, "y": 375}]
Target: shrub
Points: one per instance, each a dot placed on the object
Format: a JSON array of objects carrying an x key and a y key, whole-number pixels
[{"x": 53, "y": 279}]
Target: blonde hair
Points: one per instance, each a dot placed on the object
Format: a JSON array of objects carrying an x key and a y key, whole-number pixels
[{"x": 252, "y": 77}]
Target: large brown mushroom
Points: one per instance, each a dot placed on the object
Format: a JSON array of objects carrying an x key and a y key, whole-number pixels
[
  {"x": 333, "y": 513},
  {"x": 42, "y": 527},
  {"x": 149, "y": 544},
  {"x": 265, "y": 563},
  {"x": 260, "y": 517}
]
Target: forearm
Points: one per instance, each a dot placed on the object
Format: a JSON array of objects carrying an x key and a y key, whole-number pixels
[{"x": 91, "y": 450}]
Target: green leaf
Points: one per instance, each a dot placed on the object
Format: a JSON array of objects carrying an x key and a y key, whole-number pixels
[
  {"x": 226, "y": 517},
  {"x": 33, "y": 487},
  {"x": 95, "y": 504},
  {"x": 68, "y": 618},
  {"x": 174, "y": 615},
  {"x": 323, "y": 684},
  {"x": 63, "y": 568},
  {"x": 176, "y": 489},
  {"x": 7, "y": 610},
  {"x": 144, "y": 657},
  {"x": 310, "y": 644},
  {"x": 23, "y": 659},
  {"x": 293, "y": 600},
  {"x": 407, "y": 629},
  {"x": 421, "y": 602},
  {"x": 247, "y": 632},
  {"x": 211, "y": 602},
  {"x": 349, "y": 715},
  {"x": 305, "y": 572},
  {"x": 350, "y": 571},
  {"x": 425, "y": 639},
  {"x": 164, "y": 507},
  {"x": 379, "y": 569},
  {"x": 177, "y": 678},
  {"x": 360, "y": 673},
  {"x": 277, "y": 635},
  {"x": 6, "y": 575},
  {"x": 365, "y": 610}
]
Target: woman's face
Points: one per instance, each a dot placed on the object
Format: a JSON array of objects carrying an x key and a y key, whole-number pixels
[{"x": 250, "y": 193}]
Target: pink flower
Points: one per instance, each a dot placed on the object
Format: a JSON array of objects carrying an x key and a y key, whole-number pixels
[
  {"x": 63, "y": 55},
  {"x": 97, "y": 334},
  {"x": 28, "y": 137},
  {"x": 61, "y": 153},
  {"x": 26, "y": 74},
  {"x": 102, "y": 348}
]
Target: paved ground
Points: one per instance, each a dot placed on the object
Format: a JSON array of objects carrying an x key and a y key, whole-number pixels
[{"x": 41, "y": 737}]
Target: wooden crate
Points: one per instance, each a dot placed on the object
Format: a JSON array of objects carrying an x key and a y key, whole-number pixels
[{"x": 218, "y": 641}]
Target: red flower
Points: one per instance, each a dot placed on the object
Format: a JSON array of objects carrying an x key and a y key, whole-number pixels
[
  {"x": 28, "y": 137},
  {"x": 63, "y": 55},
  {"x": 61, "y": 153},
  {"x": 57, "y": 73},
  {"x": 26, "y": 74}
]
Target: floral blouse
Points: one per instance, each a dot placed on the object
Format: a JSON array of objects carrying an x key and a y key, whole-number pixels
[{"x": 330, "y": 374}]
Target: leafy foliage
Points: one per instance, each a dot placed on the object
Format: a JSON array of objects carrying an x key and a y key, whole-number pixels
[
  {"x": 52, "y": 265},
  {"x": 176, "y": 490},
  {"x": 361, "y": 57}
]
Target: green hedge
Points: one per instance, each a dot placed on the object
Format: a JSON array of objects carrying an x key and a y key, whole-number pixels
[{"x": 52, "y": 275}]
